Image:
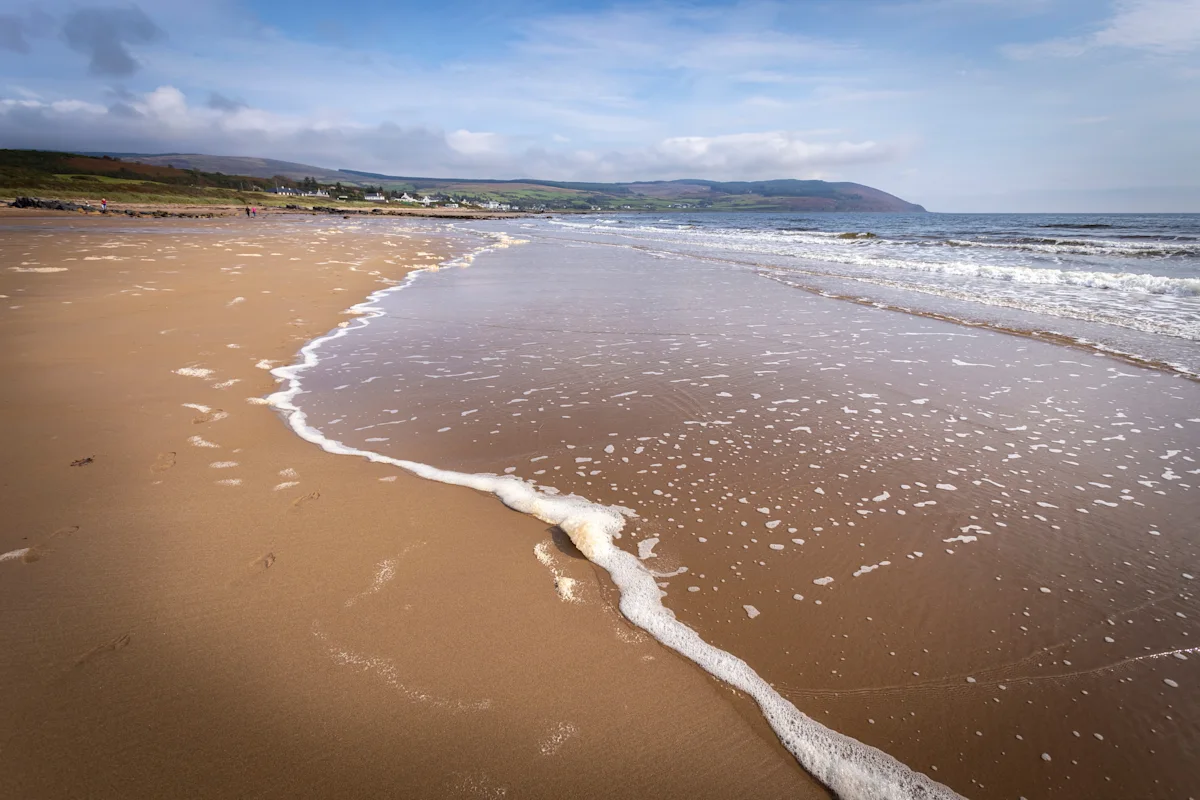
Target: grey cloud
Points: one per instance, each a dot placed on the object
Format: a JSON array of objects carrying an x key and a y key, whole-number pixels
[
  {"x": 12, "y": 34},
  {"x": 121, "y": 109},
  {"x": 17, "y": 29},
  {"x": 220, "y": 102},
  {"x": 121, "y": 94},
  {"x": 103, "y": 34}
]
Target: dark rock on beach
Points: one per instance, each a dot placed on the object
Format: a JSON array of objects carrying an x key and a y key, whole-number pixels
[{"x": 51, "y": 205}]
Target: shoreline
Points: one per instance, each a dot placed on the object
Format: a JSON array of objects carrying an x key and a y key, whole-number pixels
[
  {"x": 852, "y": 769},
  {"x": 989, "y": 385},
  {"x": 322, "y": 626}
]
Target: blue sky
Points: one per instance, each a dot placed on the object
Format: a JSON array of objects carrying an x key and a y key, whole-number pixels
[{"x": 962, "y": 105}]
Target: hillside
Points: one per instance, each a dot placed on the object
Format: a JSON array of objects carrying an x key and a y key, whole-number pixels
[
  {"x": 70, "y": 175},
  {"x": 263, "y": 168},
  {"x": 773, "y": 195}
]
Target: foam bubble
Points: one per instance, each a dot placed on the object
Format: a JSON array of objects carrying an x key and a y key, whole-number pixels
[{"x": 646, "y": 548}]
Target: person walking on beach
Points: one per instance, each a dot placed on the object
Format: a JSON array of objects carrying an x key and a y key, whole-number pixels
[
  {"x": 103, "y": 205},
  {"x": 247, "y": 211},
  {"x": 254, "y": 211}
]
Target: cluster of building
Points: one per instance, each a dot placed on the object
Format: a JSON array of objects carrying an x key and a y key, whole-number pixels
[
  {"x": 424, "y": 200},
  {"x": 285, "y": 190}
]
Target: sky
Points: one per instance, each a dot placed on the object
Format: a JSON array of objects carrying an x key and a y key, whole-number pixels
[{"x": 960, "y": 105}]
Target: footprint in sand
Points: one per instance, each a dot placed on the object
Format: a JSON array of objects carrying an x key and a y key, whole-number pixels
[
  {"x": 255, "y": 568},
  {"x": 164, "y": 462},
  {"x": 215, "y": 415},
  {"x": 36, "y": 552},
  {"x": 262, "y": 563},
  {"x": 110, "y": 646},
  {"x": 306, "y": 498}
]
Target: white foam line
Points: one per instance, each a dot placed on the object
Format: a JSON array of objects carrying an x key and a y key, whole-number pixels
[{"x": 853, "y": 770}]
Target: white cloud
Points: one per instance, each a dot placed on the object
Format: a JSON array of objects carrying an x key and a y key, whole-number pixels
[
  {"x": 1163, "y": 27},
  {"x": 474, "y": 143},
  {"x": 679, "y": 37},
  {"x": 164, "y": 120},
  {"x": 776, "y": 153}
]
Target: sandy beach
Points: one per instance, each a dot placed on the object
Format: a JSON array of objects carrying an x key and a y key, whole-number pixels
[
  {"x": 963, "y": 548},
  {"x": 200, "y": 603}
]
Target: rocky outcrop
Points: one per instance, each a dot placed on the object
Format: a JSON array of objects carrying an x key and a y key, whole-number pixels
[{"x": 50, "y": 205}]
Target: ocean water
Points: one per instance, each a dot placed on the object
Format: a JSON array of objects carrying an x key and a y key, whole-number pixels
[
  {"x": 969, "y": 550},
  {"x": 1127, "y": 282}
]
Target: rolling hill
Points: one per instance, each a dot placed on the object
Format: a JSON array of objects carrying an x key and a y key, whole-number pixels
[{"x": 771, "y": 195}]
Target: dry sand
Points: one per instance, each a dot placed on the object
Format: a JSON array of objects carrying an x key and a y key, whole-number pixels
[{"x": 311, "y": 630}]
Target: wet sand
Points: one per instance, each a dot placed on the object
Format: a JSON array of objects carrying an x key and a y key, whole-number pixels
[
  {"x": 972, "y": 550},
  {"x": 199, "y": 603}
]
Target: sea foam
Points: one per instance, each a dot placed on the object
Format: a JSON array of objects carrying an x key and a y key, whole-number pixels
[{"x": 851, "y": 769}]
